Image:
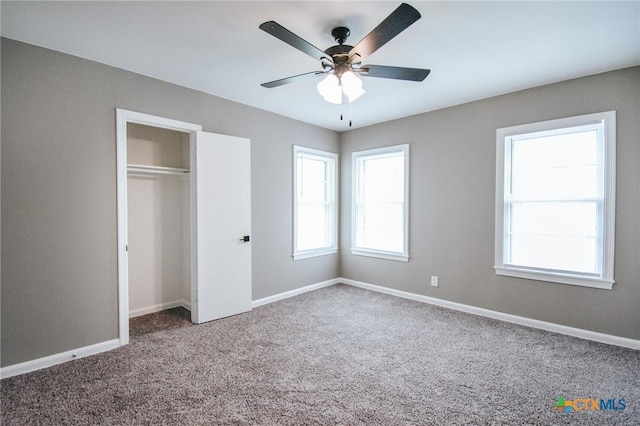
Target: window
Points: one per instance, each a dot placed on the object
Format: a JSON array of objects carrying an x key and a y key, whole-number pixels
[
  {"x": 380, "y": 214},
  {"x": 555, "y": 191},
  {"x": 315, "y": 206}
]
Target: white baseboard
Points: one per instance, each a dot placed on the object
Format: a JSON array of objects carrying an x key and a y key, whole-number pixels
[
  {"x": 161, "y": 307},
  {"x": 26, "y": 367},
  {"x": 295, "y": 292},
  {"x": 543, "y": 325},
  {"x": 49, "y": 361}
]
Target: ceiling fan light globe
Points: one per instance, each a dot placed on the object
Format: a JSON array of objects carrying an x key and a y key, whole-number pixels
[
  {"x": 335, "y": 97},
  {"x": 330, "y": 89},
  {"x": 355, "y": 94},
  {"x": 352, "y": 86}
]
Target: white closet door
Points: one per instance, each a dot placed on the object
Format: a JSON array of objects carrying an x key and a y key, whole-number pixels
[{"x": 222, "y": 208}]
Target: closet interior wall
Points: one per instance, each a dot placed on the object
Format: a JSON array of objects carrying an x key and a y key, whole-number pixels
[{"x": 158, "y": 210}]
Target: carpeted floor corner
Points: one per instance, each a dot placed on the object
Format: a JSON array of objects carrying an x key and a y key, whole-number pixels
[{"x": 336, "y": 356}]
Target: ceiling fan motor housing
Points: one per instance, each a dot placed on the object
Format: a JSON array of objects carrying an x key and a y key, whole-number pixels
[{"x": 340, "y": 53}]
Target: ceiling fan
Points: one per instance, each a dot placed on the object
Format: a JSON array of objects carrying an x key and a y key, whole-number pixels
[{"x": 341, "y": 63}]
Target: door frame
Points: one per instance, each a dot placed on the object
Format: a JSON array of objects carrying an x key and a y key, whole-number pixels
[{"x": 123, "y": 117}]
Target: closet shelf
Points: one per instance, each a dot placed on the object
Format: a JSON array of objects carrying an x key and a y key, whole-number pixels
[{"x": 155, "y": 170}]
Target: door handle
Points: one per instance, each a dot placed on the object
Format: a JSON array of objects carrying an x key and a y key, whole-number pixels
[{"x": 245, "y": 239}]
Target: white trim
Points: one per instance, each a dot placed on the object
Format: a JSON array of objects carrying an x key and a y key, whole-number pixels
[
  {"x": 297, "y": 291},
  {"x": 157, "y": 121},
  {"x": 554, "y": 277},
  {"x": 609, "y": 246},
  {"x": 378, "y": 153},
  {"x": 123, "y": 117},
  {"x": 331, "y": 160},
  {"x": 606, "y": 234},
  {"x": 388, "y": 255},
  {"x": 49, "y": 361},
  {"x": 160, "y": 307},
  {"x": 314, "y": 253},
  {"x": 515, "y": 319}
]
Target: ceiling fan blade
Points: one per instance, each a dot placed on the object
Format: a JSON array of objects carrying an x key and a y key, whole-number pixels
[
  {"x": 398, "y": 73},
  {"x": 292, "y": 79},
  {"x": 280, "y": 32},
  {"x": 399, "y": 20}
]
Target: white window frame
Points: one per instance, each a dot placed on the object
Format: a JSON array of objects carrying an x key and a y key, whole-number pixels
[
  {"x": 606, "y": 211},
  {"x": 357, "y": 158},
  {"x": 331, "y": 159}
]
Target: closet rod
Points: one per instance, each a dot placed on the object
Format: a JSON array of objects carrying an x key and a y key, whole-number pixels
[{"x": 155, "y": 170}]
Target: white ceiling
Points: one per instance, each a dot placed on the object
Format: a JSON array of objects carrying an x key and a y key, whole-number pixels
[{"x": 474, "y": 49}]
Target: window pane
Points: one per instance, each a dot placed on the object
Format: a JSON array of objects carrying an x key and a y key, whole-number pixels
[
  {"x": 553, "y": 231},
  {"x": 312, "y": 231},
  {"x": 315, "y": 206},
  {"x": 568, "y": 148},
  {"x": 382, "y": 226},
  {"x": 553, "y": 218},
  {"x": 312, "y": 169},
  {"x": 555, "y": 167},
  {"x": 577, "y": 182},
  {"x": 559, "y": 236},
  {"x": 312, "y": 191},
  {"x": 562, "y": 253},
  {"x": 312, "y": 184},
  {"x": 379, "y": 204},
  {"x": 383, "y": 179}
]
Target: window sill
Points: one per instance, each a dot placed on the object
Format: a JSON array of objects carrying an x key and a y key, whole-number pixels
[
  {"x": 381, "y": 254},
  {"x": 555, "y": 277},
  {"x": 314, "y": 253}
]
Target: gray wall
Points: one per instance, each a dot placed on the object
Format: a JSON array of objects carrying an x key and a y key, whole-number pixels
[
  {"x": 452, "y": 193},
  {"x": 59, "y": 255}
]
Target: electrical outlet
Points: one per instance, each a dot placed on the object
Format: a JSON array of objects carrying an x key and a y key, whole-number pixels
[{"x": 434, "y": 281}]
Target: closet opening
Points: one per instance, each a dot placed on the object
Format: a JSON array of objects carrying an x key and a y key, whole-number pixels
[{"x": 158, "y": 211}]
